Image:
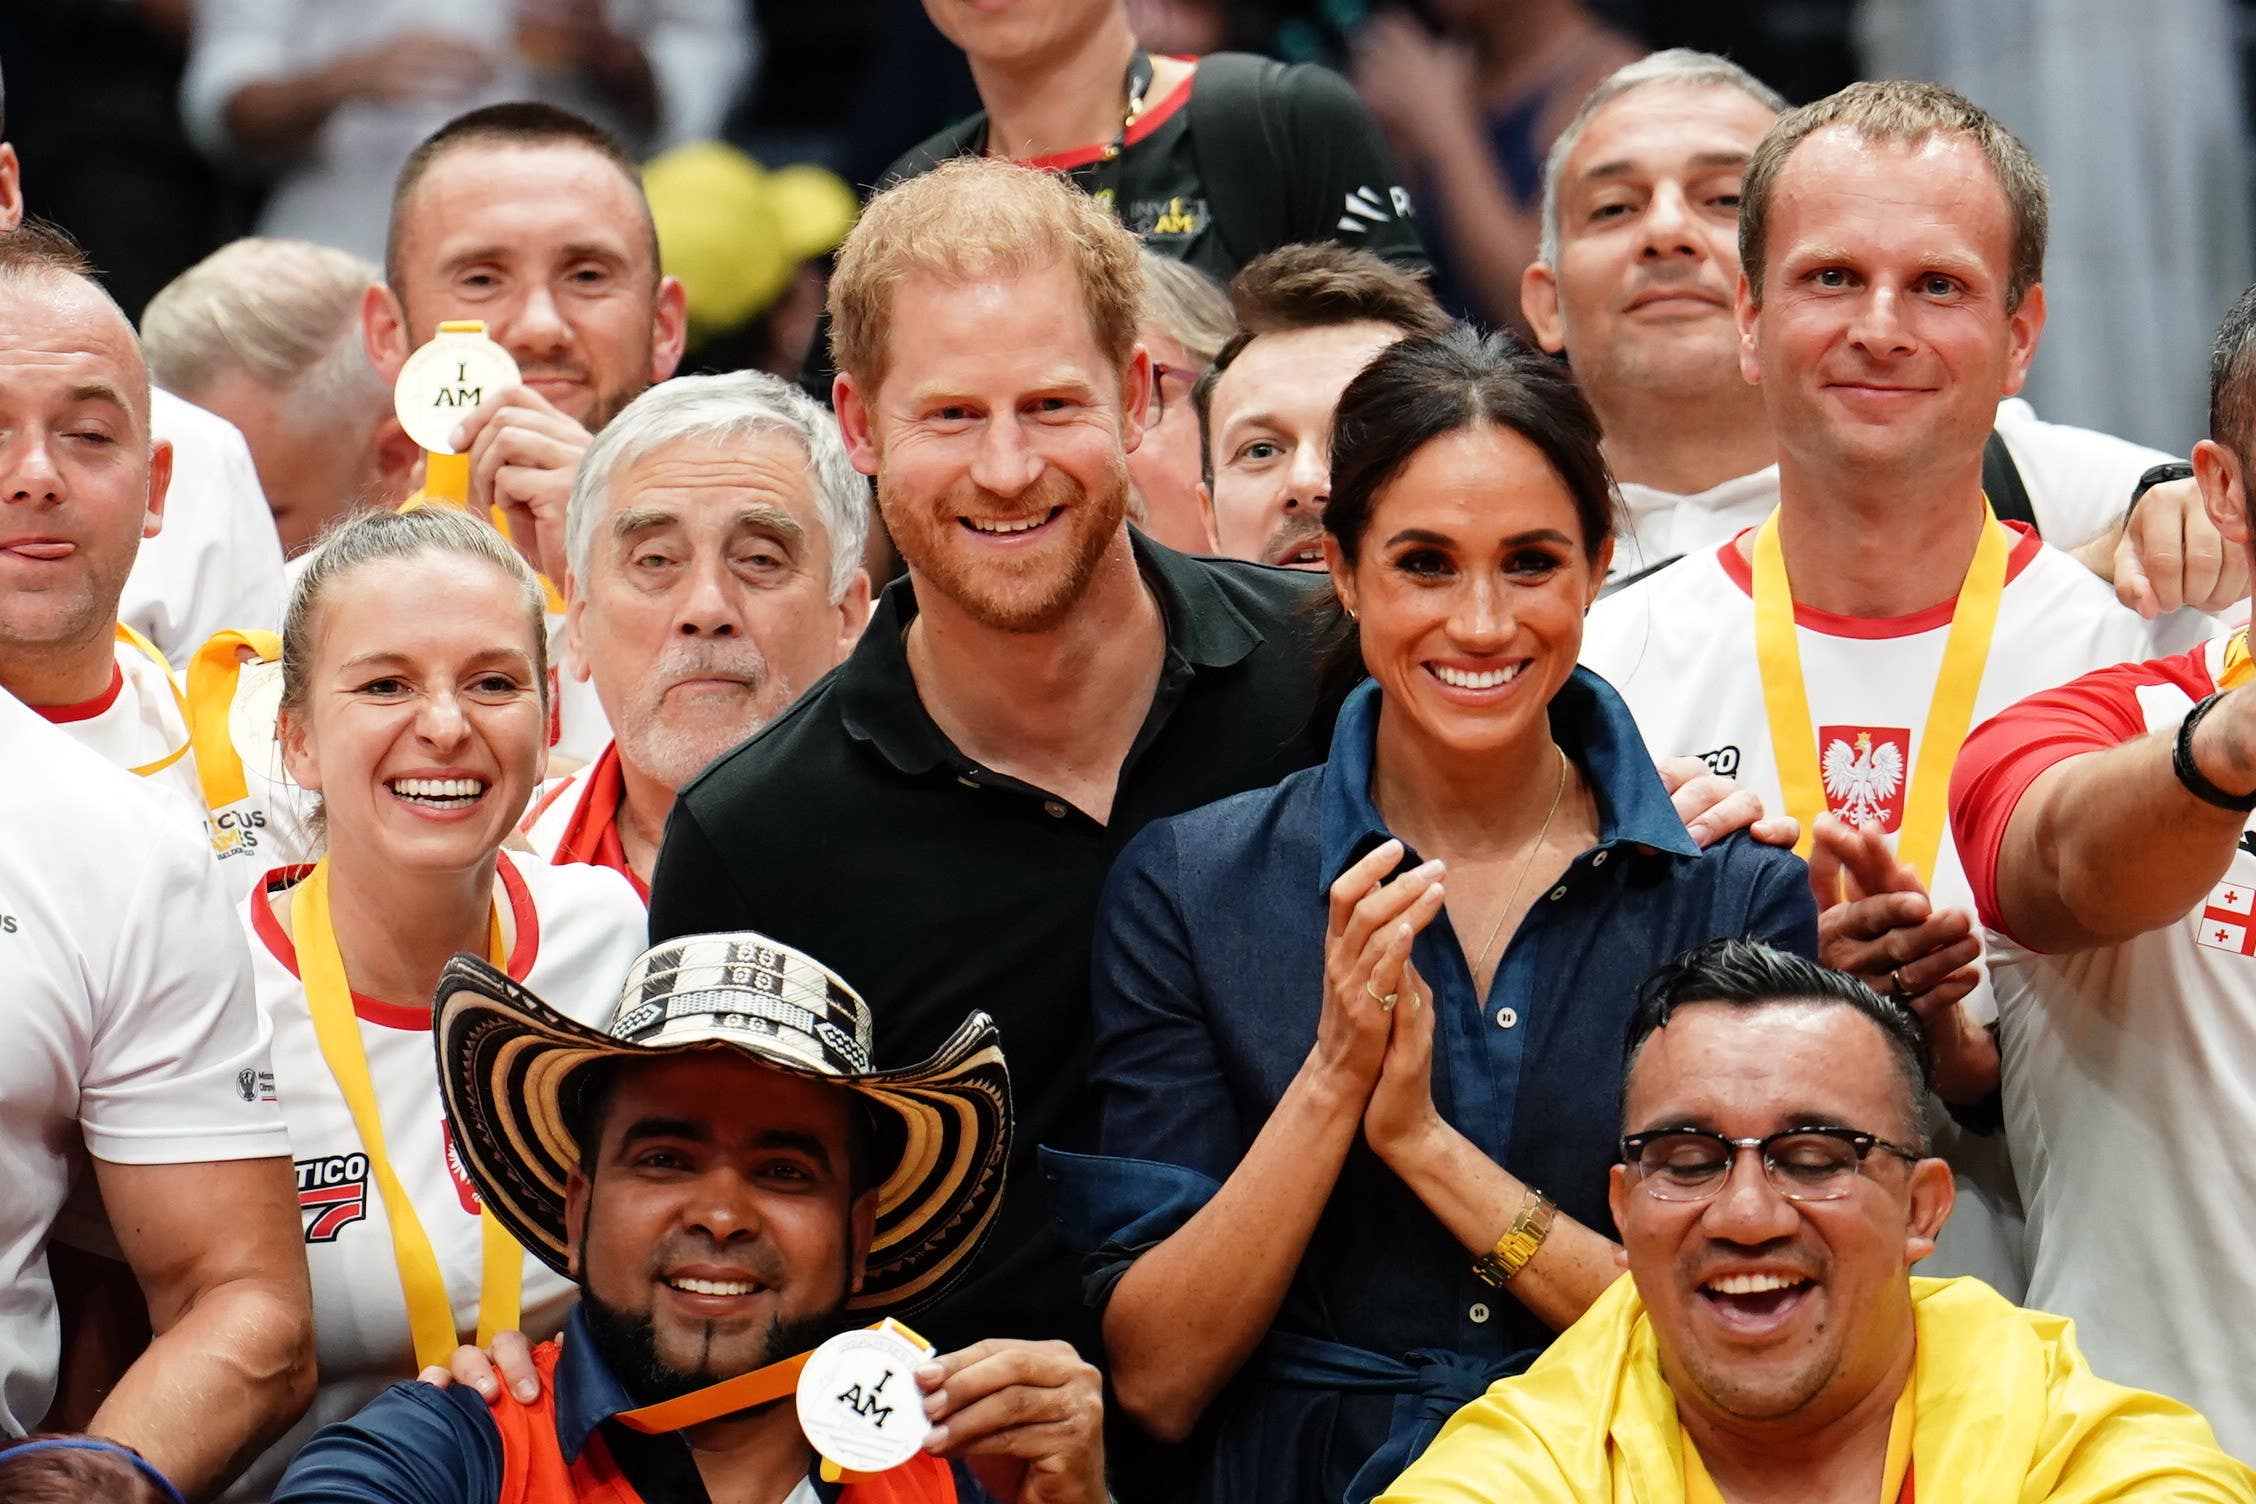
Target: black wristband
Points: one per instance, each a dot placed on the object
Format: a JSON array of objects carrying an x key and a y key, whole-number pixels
[
  {"x": 2196, "y": 783},
  {"x": 2156, "y": 475}
]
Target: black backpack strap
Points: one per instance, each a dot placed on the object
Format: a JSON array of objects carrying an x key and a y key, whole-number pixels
[
  {"x": 2001, "y": 482},
  {"x": 1237, "y": 145}
]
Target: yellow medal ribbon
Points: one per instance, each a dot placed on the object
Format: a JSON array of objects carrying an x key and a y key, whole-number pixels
[
  {"x": 2238, "y": 667},
  {"x": 135, "y": 640},
  {"x": 430, "y": 1314},
  {"x": 446, "y": 483},
  {"x": 1896, "y": 1479},
  {"x": 212, "y": 677},
  {"x": 1950, "y": 715}
]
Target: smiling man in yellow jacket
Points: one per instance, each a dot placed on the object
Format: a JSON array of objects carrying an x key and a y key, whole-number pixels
[{"x": 1770, "y": 1342}]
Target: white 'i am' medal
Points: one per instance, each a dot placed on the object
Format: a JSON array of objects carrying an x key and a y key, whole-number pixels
[
  {"x": 858, "y": 1398},
  {"x": 446, "y": 380}
]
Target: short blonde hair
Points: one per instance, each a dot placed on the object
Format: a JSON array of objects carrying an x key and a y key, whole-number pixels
[
  {"x": 974, "y": 218},
  {"x": 284, "y": 312},
  {"x": 1906, "y": 113}
]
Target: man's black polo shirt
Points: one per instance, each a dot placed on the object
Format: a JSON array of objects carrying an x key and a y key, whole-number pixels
[{"x": 852, "y": 828}]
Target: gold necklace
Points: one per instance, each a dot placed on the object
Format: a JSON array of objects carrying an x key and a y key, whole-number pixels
[{"x": 1526, "y": 867}]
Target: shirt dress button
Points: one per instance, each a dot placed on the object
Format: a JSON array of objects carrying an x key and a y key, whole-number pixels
[
  {"x": 1559, "y": 892},
  {"x": 1506, "y": 1017},
  {"x": 1599, "y": 860},
  {"x": 1054, "y": 808},
  {"x": 1479, "y": 1313}
]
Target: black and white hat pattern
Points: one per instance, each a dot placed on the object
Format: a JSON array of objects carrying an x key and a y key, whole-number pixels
[{"x": 511, "y": 1068}]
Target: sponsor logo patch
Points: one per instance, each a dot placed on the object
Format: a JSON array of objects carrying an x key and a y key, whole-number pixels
[{"x": 332, "y": 1194}]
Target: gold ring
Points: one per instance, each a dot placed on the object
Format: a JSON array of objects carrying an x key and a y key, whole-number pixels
[
  {"x": 1386, "y": 1004},
  {"x": 1896, "y": 985}
]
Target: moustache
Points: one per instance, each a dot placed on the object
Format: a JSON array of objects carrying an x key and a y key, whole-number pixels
[
  {"x": 708, "y": 660},
  {"x": 756, "y": 1260},
  {"x": 1297, "y": 532}
]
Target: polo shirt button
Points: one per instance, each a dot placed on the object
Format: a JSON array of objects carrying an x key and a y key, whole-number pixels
[
  {"x": 1599, "y": 860},
  {"x": 1506, "y": 1017},
  {"x": 1559, "y": 892},
  {"x": 1479, "y": 1313},
  {"x": 1055, "y": 808}
]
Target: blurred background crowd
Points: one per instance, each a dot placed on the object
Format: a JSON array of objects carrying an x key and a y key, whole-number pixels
[{"x": 157, "y": 130}]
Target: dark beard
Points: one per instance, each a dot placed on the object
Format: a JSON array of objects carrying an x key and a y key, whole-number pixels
[{"x": 629, "y": 1348}]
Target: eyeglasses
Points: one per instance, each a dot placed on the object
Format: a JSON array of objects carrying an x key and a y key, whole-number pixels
[
  {"x": 1815, "y": 1163},
  {"x": 1155, "y": 406}
]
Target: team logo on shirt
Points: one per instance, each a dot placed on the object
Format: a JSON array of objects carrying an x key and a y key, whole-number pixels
[
  {"x": 1172, "y": 218},
  {"x": 1864, "y": 769},
  {"x": 254, "y": 1086},
  {"x": 235, "y": 831},
  {"x": 464, "y": 1191},
  {"x": 1366, "y": 208},
  {"x": 332, "y": 1194},
  {"x": 2228, "y": 920}
]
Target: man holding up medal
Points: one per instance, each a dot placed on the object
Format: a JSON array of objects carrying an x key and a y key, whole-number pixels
[
  {"x": 738, "y": 1195},
  {"x": 1834, "y": 658}
]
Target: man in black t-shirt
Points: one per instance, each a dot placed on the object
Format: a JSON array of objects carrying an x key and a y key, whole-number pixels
[{"x": 1209, "y": 161}]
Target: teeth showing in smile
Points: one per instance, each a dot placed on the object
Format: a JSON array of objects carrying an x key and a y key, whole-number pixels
[
  {"x": 1023, "y": 525},
  {"x": 1457, "y": 678},
  {"x": 1753, "y": 1284},
  {"x": 442, "y": 792},
  {"x": 690, "y": 1286}
]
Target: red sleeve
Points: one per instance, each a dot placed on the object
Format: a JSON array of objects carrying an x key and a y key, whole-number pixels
[{"x": 2007, "y": 752}]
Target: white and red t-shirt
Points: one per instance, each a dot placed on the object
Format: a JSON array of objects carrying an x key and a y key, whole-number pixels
[
  {"x": 1680, "y": 647},
  {"x": 576, "y": 819},
  {"x": 217, "y": 561},
  {"x": 2130, "y": 1074},
  {"x": 125, "y": 997},
  {"x": 572, "y": 934},
  {"x": 136, "y": 722}
]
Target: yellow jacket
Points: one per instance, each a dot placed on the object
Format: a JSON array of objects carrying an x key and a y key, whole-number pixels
[{"x": 2005, "y": 1409}]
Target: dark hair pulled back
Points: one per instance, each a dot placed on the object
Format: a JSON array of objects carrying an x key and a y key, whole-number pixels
[{"x": 1428, "y": 387}]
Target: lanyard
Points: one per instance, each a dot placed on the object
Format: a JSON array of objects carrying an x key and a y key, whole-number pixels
[
  {"x": 430, "y": 1314},
  {"x": 1699, "y": 1488},
  {"x": 762, "y": 1386},
  {"x": 212, "y": 676},
  {"x": 2238, "y": 668},
  {"x": 1950, "y": 715},
  {"x": 135, "y": 640}
]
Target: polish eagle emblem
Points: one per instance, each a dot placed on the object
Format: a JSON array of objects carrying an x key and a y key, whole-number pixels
[{"x": 1864, "y": 774}]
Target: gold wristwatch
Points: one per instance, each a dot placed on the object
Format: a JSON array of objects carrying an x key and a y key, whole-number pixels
[{"x": 1520, "y": 1240}]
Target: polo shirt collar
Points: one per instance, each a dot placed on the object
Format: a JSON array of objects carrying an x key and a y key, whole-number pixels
[
  {"x": 878, "y": 696},
  {"x": 587, "y": 1392},
  {"x": 1590, "y": 723}
]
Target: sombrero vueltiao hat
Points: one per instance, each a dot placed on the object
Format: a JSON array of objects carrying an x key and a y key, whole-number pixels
[{"x": 511, "y": 1069}]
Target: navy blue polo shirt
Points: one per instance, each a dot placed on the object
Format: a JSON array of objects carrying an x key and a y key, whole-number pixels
[
  {"x": 1207, "y": 987},
  {"x": 416, "y": 1444}
]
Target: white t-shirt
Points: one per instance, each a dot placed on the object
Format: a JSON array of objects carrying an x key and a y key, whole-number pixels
[
  {"x": 131, "y": 1030},
  {"x": 137, "y": 722},
  {"x": 217, "y": 562},
  {"x": 2079, "y": 484},
  {"x": 1680, "y": 647},
  {"x": 2130, "y": 1076},
  {"x": 575, "y": 932}
]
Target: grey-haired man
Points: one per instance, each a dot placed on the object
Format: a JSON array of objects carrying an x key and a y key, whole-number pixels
[{"x": 715, "y": 537}]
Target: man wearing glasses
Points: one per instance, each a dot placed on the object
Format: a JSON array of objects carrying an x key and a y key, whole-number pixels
[
  {"x": 1309, "y": 318},
  {"x": 1770, "y": 1343}
]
